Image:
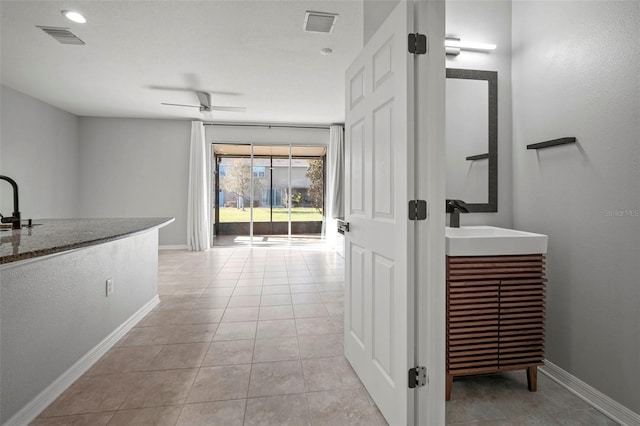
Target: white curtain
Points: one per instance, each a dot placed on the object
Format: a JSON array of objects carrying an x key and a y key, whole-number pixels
[
  {"x": 334, "y": 202},
  {"x": 198, "y": 220}
]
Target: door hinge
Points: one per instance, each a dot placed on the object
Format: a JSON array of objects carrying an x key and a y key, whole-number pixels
[
  {"x": 417, "y": 210},
  {"x": 417, "y": 377},
  {"x": 417, "y": 44}
]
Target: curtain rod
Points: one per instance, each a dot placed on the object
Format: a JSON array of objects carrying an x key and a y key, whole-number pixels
[{"x": 289, "y": 126}]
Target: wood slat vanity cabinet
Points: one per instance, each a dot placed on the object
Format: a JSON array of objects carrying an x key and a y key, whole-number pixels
[{"x": 495, "y": 315}]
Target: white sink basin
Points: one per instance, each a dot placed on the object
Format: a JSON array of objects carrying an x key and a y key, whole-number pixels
[{"x": 492, "y": 241}]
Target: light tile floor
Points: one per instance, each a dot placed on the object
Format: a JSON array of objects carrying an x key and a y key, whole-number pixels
[
  {"x": 254, "y": 337},
  {"x": 504, "y": 400},
  {"x": 241, "y": 336}
]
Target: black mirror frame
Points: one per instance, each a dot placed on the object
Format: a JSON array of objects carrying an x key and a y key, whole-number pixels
[{"x": 492, "y": 78}]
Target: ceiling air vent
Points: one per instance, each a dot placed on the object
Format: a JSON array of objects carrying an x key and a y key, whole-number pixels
[
  {"x": 319, "y": 22},
  {"x": 63, "y": 35}
]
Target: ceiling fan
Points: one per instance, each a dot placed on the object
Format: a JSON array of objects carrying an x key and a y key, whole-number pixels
[{"x": 205, "y": 104}]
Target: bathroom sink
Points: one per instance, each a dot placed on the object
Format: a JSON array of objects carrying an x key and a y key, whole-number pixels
[{"x": 492, "y": 241}]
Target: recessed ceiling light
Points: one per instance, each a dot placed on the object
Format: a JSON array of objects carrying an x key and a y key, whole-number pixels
[
  {"x": 326, "y": 51},
  {"x": 74, "y": 16}
]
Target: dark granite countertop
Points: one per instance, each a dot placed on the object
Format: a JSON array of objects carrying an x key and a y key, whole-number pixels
[{"x": 50, "y": 236}]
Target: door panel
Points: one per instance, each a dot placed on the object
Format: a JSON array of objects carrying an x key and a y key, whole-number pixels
[
  {"x": 379, "y": 313},
  {"x": 383, "y": 158},
  {"x": 357, "y": 87},
  {"x": 356, "y": 167},
  {"x": 383, "y": 63},
  {"x": 356, "y": 294},
  {"x": 383, "y": 318}
]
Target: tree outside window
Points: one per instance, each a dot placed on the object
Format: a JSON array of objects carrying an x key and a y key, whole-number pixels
[
  {"x": 237, "y": 180},
  {"x": 315, "y": 173}
]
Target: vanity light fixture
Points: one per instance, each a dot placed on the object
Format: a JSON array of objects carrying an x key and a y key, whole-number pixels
[
  {"x": 453, "y": 46},
  {"x": 74, "y": 16}
]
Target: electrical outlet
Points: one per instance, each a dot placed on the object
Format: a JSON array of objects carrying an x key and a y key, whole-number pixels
[{"x": 109, "y": 287}]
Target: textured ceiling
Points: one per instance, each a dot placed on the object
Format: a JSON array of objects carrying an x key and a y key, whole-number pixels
[{"x": 141, "y": 53}]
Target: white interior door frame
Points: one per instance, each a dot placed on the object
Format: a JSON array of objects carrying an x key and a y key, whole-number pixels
[{"x": 430, "y": 239}]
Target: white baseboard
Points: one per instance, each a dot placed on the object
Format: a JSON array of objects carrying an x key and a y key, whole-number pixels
[
  {"x": 173, "y": 247},
  {"x": 30, "y": 411},
  {"x": 592, "y": 396}
]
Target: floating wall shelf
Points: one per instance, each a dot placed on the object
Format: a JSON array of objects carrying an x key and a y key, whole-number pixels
[
  {"x": 547, "y": 144},
  {"x": 478, "y": 157}
]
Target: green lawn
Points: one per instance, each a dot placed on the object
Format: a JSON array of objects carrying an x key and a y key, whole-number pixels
[{"x": 261, "y": 214}]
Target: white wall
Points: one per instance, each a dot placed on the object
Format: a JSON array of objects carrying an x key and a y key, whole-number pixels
[
  {"x": 374, "y": 13},
  {"x": 266, "y": 135},
  {"x": 488, "y": 22},
  {"x": 67, "y": 166},
  {"x": 136, "y": 168},
  {"x": 576, "y": 72},
  {"x": 39, "y": 149},
  {"x": 140, "y": 167}
]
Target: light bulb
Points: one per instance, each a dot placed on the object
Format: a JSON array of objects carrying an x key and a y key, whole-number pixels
[
  {"x": 469, "y": 45},
  {"x": 74, "y": 16}
]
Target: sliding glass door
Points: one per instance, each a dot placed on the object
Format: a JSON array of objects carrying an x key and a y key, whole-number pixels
[{"x": 268, "y": 194}]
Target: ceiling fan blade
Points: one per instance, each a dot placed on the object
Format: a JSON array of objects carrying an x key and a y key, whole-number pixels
[
  {"x": 170, "y": 88},
  {"x": 204, "y": 98},
  {"x": 228, "y": 108},
  {"x": 188, "y": 89},
  {"x": 182, "y": 105}
]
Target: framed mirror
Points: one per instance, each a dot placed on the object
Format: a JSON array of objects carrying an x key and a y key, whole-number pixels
[{"x": 472, "y": 138}]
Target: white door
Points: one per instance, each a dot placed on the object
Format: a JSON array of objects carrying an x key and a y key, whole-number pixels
[{"x": 379, "y": 182}]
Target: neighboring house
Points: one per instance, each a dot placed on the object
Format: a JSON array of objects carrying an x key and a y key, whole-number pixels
[{"x": 271, "y": 184}]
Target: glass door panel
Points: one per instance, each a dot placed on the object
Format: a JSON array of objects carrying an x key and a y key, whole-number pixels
[
  {"x": 307, "y": 186},
  {"x": 234, "y": 195},
  {"x": 281, "y": 199},
  {"x": 272, "y": 192},
  {"x": 261, "y": 195}
]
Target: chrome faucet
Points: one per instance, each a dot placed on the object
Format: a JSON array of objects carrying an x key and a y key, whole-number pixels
[
  {"x": 15, "y": 219},
  {"x": 455, "y": 207}
]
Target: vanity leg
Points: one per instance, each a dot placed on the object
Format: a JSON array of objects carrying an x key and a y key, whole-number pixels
[
  {"x": 532, "y": 378},
  {"x": 448, "y": 387}
]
